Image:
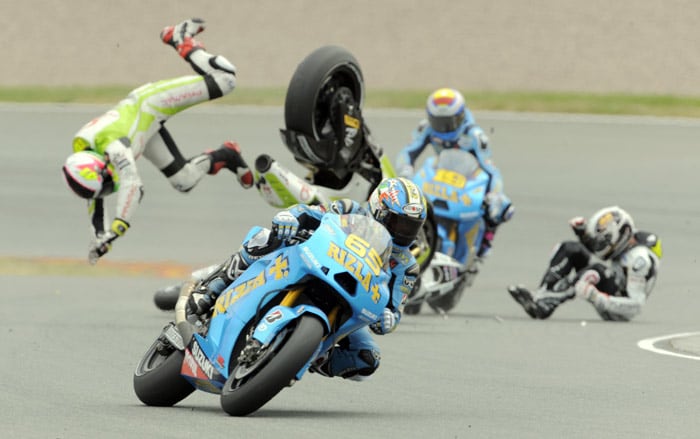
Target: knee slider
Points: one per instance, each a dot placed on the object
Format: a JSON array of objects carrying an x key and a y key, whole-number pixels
[{"x": 371, "y": 359}]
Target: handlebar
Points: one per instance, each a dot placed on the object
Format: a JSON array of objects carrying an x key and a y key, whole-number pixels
[{"x": 301, "y": 236}]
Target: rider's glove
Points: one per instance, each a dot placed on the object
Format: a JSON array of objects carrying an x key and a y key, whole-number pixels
[
  {"x": 585, "y": 286},
  {"x": 493, "y": 204},
  {"x": 100, "y": 246},
  {"x": 201, "y": 300},
  {"x": 578, "y": 224},
  {"x": 285, "y": 225},
  {"x": 103, "y": 242},
  {"x": 386, "y": 323}
]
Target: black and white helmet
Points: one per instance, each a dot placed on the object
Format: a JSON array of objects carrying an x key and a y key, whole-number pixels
[{"x": 608, "y": 232}]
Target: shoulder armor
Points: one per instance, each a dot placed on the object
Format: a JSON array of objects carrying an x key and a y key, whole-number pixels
[{"x": 649, "y": 240}]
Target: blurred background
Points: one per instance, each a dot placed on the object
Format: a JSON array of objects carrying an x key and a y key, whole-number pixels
[{"x": 596, "y": 46}]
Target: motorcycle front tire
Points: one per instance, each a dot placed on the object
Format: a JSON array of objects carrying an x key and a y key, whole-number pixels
[{"x": 240, "y": 397}]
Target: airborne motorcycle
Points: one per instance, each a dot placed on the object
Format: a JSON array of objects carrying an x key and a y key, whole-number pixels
[
  {"x": 265, "y": 330},
  {"x": 456, "y": 186},
  {"x": 326, "y": 133}
]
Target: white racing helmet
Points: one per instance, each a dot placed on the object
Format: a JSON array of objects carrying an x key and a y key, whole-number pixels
[
  {"x": 608, "y": 232},
  {"x": 89, "y": 175}
]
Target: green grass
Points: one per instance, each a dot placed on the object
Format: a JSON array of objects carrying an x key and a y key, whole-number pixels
[{"x": 656, "y": 105}]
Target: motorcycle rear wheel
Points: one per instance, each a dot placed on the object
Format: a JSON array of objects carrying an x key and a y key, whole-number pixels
[
  {"x": 316, "y": 80},
  {"x": 250, "y": 386},
  {"x": 157, "y": 379}
]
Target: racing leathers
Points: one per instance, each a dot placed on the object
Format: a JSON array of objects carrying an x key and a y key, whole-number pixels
[
  {"x": 617, "y": 288},
  {"x": 135, "y": 127},
  {"x": 358, "y": 355},
  {"x": 473, "y": 139}
]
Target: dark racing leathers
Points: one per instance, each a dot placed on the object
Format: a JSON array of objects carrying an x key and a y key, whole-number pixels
[{"x": 625, "y": 281}]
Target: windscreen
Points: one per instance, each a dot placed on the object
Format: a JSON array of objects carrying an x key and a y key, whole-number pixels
[
  {"x": 371, "y": 231},
  {"x": 459, "y": 161}
]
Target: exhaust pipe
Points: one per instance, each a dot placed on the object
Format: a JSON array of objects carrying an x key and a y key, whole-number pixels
[{"x": 185, "y": 328}]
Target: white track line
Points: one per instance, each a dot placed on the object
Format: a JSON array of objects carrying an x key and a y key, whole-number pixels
[{"x": 648, "y": 344}]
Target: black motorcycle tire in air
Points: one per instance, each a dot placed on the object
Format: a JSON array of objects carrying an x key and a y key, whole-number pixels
[
  {"x": 317, "y": 77},
  {"x": 240, "y": 397},
  {"x": 157, "y": 379}
]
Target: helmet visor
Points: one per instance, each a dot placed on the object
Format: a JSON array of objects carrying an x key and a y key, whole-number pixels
[
  {"x": 599, "y": 244},
  {"x": 446, "y": 124},
  {"x": 403, "y": 229}
]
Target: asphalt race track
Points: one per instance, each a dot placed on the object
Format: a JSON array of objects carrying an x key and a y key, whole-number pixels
[{"x": 72, "y": 334}]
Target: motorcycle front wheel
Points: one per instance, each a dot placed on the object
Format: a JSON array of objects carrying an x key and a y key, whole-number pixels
[{"x": 252, "y": 384}]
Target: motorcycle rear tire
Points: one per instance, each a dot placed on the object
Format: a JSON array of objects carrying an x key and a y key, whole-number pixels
[
  {"x": 157, "y": 379},
  {"x": 326, "y": 69},
  {"x": 242, "y": 398}
]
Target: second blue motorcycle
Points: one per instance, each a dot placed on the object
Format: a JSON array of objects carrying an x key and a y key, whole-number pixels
[{"x": 455, "y": 185}]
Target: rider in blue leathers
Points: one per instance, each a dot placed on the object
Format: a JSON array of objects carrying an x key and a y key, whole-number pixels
[
  {"x": 450, "y": 124},
  {"x": 399, "y": 205}
]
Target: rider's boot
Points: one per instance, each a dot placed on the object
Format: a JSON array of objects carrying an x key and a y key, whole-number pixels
[
  {"x": 205, "y": 298},
  {"x": 555, "y": 287},
  {"x": 540, "y": 304},
  {"x": 166, "y": 298},
  {"x": 180, "y": 36},
  {"x": 229, "y": 156},
  {"x": 280, "y": 187}
]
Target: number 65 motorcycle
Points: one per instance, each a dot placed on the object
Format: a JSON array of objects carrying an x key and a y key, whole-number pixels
[{"x": 266, "y": 328}]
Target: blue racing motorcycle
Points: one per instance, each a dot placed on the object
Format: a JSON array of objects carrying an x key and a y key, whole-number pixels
[
  {"x": 455, "y": 186},
  {"x": 266, "y": 329}
]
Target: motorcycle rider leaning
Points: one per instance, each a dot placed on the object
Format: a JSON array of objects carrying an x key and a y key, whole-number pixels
[
  {"x": 106, "y": 148},
  {"x": 396, "y": 203},
  {"x": 450, "y": 124},
  {"x": 612, "y": 265}
]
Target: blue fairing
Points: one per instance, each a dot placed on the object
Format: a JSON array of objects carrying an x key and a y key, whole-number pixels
[
  {"x": 349, "y": 253},
  {"x": 455, "y": 185}
]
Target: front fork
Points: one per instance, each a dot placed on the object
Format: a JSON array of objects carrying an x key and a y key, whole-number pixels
[
  {"x": 289, "y": 309},
  {"x": 277, "y": 319}
]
